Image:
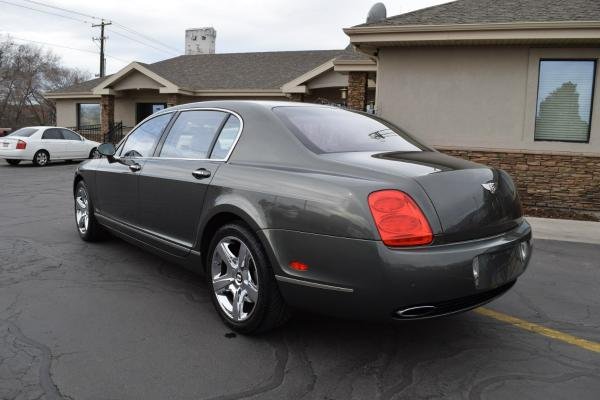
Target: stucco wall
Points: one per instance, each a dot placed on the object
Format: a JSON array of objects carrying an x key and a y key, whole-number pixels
[
  {"x": 66, "y": 110},
  {"x": 472, "y": 97},
  {"x": 125, "y": 105}
]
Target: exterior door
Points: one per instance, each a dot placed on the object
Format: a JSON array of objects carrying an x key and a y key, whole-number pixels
[
  {"x": 117, "y": 182},
  {"x": 173, "y": 184},
  {"x": 74, "y": 146},
  {"x": 52, "y": 141},
  {"x": 144, "y": 110}
]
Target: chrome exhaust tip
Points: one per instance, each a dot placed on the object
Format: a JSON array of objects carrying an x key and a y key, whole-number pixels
[{"x": 416, "y": 312}]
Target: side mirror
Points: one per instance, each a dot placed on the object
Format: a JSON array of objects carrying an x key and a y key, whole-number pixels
[{"x": 107, "y": 150}]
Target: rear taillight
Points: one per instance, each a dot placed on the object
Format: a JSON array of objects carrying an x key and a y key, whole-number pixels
[
  {"x": 21, "y": 145},
  {"x": 399, "y": 220}
]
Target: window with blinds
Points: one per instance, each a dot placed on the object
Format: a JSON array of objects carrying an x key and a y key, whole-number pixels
[{"x": 564, "y": 101}]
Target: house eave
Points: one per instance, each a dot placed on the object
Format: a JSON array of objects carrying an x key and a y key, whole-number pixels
[
  {"x": 297, "y": 84},
  {"x": 72, "y": 95},
  {"x": 355, "y": 65},
  {"x": 496, "y": 33},
  {"x": 237, "y": 92}
]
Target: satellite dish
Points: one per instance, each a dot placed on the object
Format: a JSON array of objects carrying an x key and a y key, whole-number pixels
[{"x": 377, "y": 13}]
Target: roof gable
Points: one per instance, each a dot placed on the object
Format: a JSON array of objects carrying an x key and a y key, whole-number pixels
[{"x": 135, "y": 73}]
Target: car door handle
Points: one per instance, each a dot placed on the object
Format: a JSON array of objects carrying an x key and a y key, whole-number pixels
[
  {"x": 135, "y": 167},
  {"x": 201, "y": 173}
]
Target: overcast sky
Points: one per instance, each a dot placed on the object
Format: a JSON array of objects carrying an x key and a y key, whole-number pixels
[{"x": 242, "y": 25}]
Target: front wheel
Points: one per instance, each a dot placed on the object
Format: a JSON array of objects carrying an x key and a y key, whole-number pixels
[
  {"x": 94, "y": 153},
  {"x": 242, "y": 283},
  {"x": 13, "y": 162},
  {"x": 87, "y": 226}
]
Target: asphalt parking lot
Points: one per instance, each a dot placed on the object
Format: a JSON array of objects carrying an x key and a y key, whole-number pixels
[{"x": 108, "y": 321}]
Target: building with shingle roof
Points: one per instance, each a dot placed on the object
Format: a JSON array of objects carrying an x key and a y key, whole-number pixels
[
  {"x": 139, "y": 89},
  {"x": 511, "y": 83}
]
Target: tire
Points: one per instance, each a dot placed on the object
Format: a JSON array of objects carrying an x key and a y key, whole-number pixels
[
  {"x": 94, "y": 153},
  {"x": 262, "y": 306},
  {"x": 41, "y": 158},
  {"x": 13, "y": 162},
  {"x": 83, "y": 208}
]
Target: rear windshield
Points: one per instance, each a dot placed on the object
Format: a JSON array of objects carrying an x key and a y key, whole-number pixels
[
  {"x": 334, "y": 130},
  {"x": 24, "y": 132}
]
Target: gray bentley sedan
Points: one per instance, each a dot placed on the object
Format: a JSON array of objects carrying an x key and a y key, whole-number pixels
[{"x": 301, "y": 206}]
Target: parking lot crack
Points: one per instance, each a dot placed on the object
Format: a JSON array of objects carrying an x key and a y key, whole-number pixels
[{"x": 28, "y": 351}]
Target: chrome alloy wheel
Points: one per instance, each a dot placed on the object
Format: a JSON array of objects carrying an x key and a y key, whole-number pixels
[
  {"x": 234, "y": 278},
  {"x": 82, "y": 212},
  {"x": 41, "y": 158}
]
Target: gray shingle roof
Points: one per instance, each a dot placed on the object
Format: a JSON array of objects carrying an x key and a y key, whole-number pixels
[
  {"x": 498, "y": 11},
  {"x": 349, "y": 54},
  {"x": 232, "y": 71},
  {"x": 267, "y": 70},
  {"x": 81, "y": 87}
]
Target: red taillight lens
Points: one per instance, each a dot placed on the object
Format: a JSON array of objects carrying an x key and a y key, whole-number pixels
[
  {"x": 399, "y": 220},
  {"x": 21, "y": 145}
]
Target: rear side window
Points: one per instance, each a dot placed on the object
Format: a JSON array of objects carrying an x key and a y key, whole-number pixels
[
  {"x": 141, "y": 142},
  {"x": 53, "y": 134},
  {"x": 192, "y": 134},
  {"x": 226, "y": 139},
  {"x": 334, "y": 130},
  {"x": 23, "y": 132},
  {"x": 67, "y": 134}
]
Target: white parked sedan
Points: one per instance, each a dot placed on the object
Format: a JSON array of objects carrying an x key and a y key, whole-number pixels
[{"x": 41, "y": 144}]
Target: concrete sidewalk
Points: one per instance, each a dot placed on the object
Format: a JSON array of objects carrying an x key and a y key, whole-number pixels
[{"x": 567, "y": 230}]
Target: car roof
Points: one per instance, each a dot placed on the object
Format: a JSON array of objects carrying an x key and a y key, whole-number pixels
[{"x": 267, "y": 104}]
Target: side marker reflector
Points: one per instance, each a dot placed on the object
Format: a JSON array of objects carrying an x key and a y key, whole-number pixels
[{"x": 298, "y": 266}]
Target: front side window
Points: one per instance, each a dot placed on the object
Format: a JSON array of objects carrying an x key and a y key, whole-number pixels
[
  {"x": 23, "y": 132},
  {"x": 226, "y": 139},
  {"x": 192, "y": 134},
  {"x": 52, "y": 134},
  {"x": 333, "y": 130},
  {"x": 565, "y": 98},
  {"x": 88, "y": 114},
  {"x": 142, "y": 141}
]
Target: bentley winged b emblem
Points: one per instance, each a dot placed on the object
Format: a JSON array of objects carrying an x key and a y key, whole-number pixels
[{"x": 490, "y": 186}]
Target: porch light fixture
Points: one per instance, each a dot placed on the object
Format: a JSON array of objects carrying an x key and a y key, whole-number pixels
[{"x": 343, "y": 93}]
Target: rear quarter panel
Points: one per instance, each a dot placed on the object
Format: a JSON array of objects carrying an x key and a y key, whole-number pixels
[{"x": 304, "y": 200}]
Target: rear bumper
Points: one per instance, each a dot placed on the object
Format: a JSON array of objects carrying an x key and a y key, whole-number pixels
[
  {"x": 14, "y": 154},
  {"x": 367, "y": 280}
]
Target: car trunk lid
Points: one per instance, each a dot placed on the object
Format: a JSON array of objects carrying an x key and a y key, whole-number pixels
[
  {"x": 9, "y": 143},
  {"x": 473, "y": 203},
  {"x": 471, "y": 200}
]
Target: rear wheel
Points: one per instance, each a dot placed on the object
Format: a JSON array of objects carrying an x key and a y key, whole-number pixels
[
  {"x": 87, "y": 226},
  {"x": 41, "y": 158},
  {"x": 242, "y": 283},
  {"x": 13, "y": 162}
]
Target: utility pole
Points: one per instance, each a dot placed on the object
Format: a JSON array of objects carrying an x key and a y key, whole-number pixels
[{"x": 101, "y": 39}]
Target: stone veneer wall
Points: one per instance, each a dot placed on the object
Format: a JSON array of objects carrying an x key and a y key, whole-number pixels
[
  {"x": 546, "y": 181},
  {"x": 107, "y": 113},
  {"x": 357, "y": 90}
]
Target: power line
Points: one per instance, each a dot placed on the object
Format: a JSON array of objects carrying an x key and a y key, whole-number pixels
[
  {"x": 121, "y": 26},
  {"x": 139, "y": 41},
  {"x": 64, "y": 47},
  {"x": 61, "y": 9},
  {"x": 46, "y": 12},
  {"x": 146, "y": 37}
]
